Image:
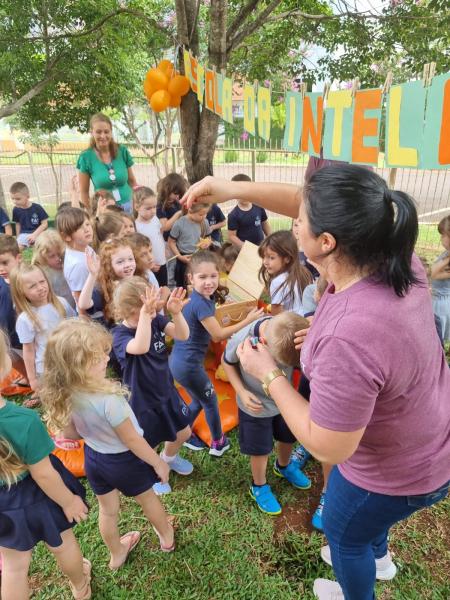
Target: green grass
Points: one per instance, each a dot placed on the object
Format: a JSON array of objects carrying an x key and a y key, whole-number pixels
[{"x": 228, "y": 550}]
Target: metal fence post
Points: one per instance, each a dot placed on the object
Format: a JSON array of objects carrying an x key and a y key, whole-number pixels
[
  {"x": 253, "y": 155},
  {"x": 33, "y": 175},
  {"x": 174, "y": 159}
]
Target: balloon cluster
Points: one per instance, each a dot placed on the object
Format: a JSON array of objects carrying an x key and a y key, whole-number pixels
[{"x": 164, "y": 87}]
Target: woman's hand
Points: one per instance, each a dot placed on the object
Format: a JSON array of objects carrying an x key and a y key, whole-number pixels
[
  {"x": 175, "y": 302},
  {"x": 209, "y": 190},
  {"x": 92, "y": 262},
  {"x": 256, "y": 361},
  {"x": 300, "y": 337},
  {"x": 149, "y": 302},
  {"x": 250, "y": 401}
]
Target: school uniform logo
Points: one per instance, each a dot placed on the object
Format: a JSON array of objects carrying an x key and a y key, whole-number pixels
[
  {"x": 35, "y": 219},
  {"x": 159, "y": 344},
  {"x": 257, "y": 221}
]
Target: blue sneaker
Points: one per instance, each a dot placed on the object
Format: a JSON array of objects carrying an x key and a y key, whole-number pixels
[
  {"x": 265, "y": 499},
  {"x": 219, "y": 447},
  {"x": 161, "y": 488},
  {"x": 181, "y": 465},
  {"x": 195, "y": 443},
  {"x": 301, "y": 456},
  {"x": 293, "y": 474},
  {"x": 317, "y": 516}
]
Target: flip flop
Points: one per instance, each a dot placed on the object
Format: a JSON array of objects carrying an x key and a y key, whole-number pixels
[
  {"x": 67, "y": 444},
  {"x": 21, "y": 382},
  {"x": 85, "y": 592},
  {"x": 134, "y": 538},
  {"x": 162, "y": 547}
]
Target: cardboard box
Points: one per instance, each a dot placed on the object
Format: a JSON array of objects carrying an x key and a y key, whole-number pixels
[{"x": 244, "y": 285}]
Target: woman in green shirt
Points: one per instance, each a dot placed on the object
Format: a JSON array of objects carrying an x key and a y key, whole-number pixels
[{"x": 107, "y": 164}]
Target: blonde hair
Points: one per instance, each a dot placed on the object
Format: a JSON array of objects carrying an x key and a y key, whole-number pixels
[
  {"x": 140, "y": 194},
  {"x": 127, "y": 297},
  {"x": 196, "y": 208},
  {"x": 47, "y": 241},
  {"x": 10, "y": 464},
  {"x": 21, "y": 302},
  {"x": 279, "y": 335},
  {"x": 72, "y": 348},
  {"x": 102, "y": 118}
]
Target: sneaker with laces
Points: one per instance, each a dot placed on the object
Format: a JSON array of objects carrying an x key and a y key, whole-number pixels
[
  {"x": 385, "y": 567},
  {"x": 317, "y": 516},
  {"x": 195, "y": 443},
  {"x": 181, "y": 465},
  {"x": 293, "y": 474},
  {"x": 265, "y": 499},
  {"x": 161, "y": 488},
  {"x": 325, "y": 589},
  {"x": 219, "y": 447},
  {"x": 301, "y": 456}
]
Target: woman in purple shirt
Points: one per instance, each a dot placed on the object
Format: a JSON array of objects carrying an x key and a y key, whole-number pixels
[{"x": 380, "y": 386}]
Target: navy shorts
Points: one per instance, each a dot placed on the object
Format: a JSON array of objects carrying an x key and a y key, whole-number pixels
[
  {"x": 162, "y": 423},
  {"x": 123, "y": 471},
  {"x": 256, "y": 434}
]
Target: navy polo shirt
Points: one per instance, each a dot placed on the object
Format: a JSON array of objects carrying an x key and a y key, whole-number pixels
[
  {"x": 248, "y": 223},
  {"x": 195, "y": 347},
  {"x": 147, "y": 375},
  {"x": 214, "y": 216},
  {"x": 167, "y": 213},
  {"x": 8, "y": 314},
  {"x": 29, "y": 218},
  {"x": 4, "y": 220}
]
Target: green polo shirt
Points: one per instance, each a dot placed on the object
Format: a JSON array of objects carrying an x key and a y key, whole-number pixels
[{"x": 88, "y": 162}]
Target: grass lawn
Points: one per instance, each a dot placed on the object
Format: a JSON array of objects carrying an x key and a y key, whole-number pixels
[{"x": 228, "y": 550}]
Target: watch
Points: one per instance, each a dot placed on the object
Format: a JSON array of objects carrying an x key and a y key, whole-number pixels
[{"x": 271, "y": 375}]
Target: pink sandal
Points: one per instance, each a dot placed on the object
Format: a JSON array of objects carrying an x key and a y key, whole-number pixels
[
  {"x": 135, "y": 538},
  {"x": 66, "y": 444},
  {"x": 85, "y": 592}
]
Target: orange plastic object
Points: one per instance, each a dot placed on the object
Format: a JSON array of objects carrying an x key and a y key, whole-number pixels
[
  {"x": 227, "y": 409},
  {"x": 9, "y": 388},
  {"x": 166, "y": 66},
  {"x": 179, "y": 85},
  {"x": 160, "y": 100},
  {"x": 157, "y": 79},
  {"x": 175, "y": 101},
  {"x": 73, "y": 460}
]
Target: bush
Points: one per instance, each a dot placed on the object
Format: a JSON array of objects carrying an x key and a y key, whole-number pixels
[
  {"x": 231, "y": 156},
  {"x": 261, "y": 157}
]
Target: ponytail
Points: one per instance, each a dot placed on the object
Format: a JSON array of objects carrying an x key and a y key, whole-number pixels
[{"x": 397, "y": 272}]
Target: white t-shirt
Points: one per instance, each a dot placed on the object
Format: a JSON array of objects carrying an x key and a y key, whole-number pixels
[
  {"x": 152, "y": 230},
  {"x": 280, "y": 293},
  {"x": 96, "y": 415},
  {"x": 75, "y": 269},
  {"x": 49, "y": 318},
  {"x": 152, "y": 279}
]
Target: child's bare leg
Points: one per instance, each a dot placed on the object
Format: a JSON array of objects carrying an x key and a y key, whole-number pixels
[
  {"x": 108, "y": 518},
  {"x": 171, "y": 448},
  {"x": 156, "y": 514},
  {"x": 258, "y": 466},
  {"x": 15, "y": 574},
  {"x": 70, "y": 560},
  {"x": 284, "y": 453}
]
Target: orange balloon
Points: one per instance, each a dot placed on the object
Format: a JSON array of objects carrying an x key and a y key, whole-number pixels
[
  {"x": 157, "y": 79},
  {"x": 175, "y": 101},
  {"x": 148, "y": 89},
  {"x": 166, "y": 67},
  {"x": 179, "y": 85},
  {"x": 160, "y": 100}
]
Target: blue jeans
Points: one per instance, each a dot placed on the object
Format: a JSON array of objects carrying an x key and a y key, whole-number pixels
[
  {"x": 356, "y": 523},
  {"x": 196, "y": 382}
]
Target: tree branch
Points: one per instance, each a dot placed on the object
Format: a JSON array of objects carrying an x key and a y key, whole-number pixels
[
  {"x": 194, "y": 24},
  {"x": 252, "y": 27},
  {"x": 358, "y": 16},
  {"x": 13, "y": 107},
  {"x": 245, "y": 11}
]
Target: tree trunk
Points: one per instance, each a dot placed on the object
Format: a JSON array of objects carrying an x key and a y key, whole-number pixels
[{"x": 199, "y": 126}]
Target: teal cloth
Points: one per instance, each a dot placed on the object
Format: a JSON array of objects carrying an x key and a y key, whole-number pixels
[{"x": 88, "y": 162}]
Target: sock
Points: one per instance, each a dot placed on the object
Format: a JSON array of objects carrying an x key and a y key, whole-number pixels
[
  {"x": 167, "y": 459},
  {"x": 257, "y": 486},
  {"x": 279, "y": 466}
]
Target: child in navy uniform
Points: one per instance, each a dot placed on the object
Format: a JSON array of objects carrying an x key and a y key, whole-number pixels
[
  {"x": 139, "y": 344},
  {"x": 81, "y": 402},
  {"x": 39, "y": 500},
  {"x": 260, "y": 421},
  {"x": 5, "y": 222},
  {"x": 216, "y": 220},
  {"x": 247, "y": 222},
  {"x": 30, "y": 218}
]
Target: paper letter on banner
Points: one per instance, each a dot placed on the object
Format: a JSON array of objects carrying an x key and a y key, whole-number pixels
[
  {"x": 337, "y": 135},
  {"x": 227, "y": 99},
  {"x": 218, "y": 94},
  {"x": 249, "y": 109},
  {"x": 404, "y": 124},
  {"x": 200, "y": 82},
  {"x": 209, "y": 89},
  {"x": 436, "y": 139},
  {"x": 264, "y": 104},
  {"x": 312, "y": 123},
  {"x": 366, "y": 126},
  {"x": 193, "y": 73},
  {"x": 293, "y": 129},
  {"x": 187, "y": 64}
]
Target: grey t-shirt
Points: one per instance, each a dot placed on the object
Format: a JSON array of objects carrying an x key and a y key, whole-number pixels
[
  {"x": 250, "y": 383},
  {"x": 309, "y": 302},
  {"x": 187, "y": 234}
]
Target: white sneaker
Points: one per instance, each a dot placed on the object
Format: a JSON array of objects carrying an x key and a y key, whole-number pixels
[
  {"x": 325, "y": 589},
  {"x": 385, "y": 568}
]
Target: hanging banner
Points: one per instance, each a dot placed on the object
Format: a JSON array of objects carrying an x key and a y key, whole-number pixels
[
  {"x": 366, "y": 127},
  {"x": 264, "y": 108},
  {"x": 436, "y": 138},
  {"x": 227, "y": 99},
  {"x": 200, "y": 82},
  {"x": 218, "y": 93},
  {"x": 337, "y": 133},
  {"x": 294, "y": 116},
  {"x": 312, "y": 123},
  {"x": 249, "y": 108},
  {"x": 209, "y": 89}
]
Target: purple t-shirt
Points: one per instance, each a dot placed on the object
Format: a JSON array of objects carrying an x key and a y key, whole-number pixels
[{"x": 374, "y": 360}]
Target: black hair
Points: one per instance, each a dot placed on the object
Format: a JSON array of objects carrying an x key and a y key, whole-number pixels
[
  {"x": 374, "y": 227},
  {"x": 241, "y": 177}
]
